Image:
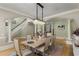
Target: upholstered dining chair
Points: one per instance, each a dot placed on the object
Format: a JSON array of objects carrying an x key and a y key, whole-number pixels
[
  {"x": 19, "y": 50},
  {"x": 29, "y": 37}
]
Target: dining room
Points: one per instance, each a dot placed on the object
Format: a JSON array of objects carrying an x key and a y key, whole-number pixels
[{"x": 39, "y": 35}]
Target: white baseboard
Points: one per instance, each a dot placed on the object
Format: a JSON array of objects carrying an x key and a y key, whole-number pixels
[
  {"x": 68, "y": 41},
  {"x": 60, "y": 38}
]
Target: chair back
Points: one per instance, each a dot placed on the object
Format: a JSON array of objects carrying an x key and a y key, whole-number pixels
[
  {"x": 28, "y": 37},
  {"x": 17, "y": 46},
  {"x": 47, "y": 43}
]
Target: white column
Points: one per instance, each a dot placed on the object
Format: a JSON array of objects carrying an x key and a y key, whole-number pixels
[
  {"x": 35, "y": 28},
  {"x": 43, "y": 29},
  {"x": 9, "y": 31},
  {"x": 69, "y": 30}
]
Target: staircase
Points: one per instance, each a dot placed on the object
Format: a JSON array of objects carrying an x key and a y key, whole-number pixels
[{"x": 19, "y": 27}]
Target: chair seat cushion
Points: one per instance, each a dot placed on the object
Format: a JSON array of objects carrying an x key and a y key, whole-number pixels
[
  {"x": 41, "y": 49},
  {"x": 26, "y": 52}
]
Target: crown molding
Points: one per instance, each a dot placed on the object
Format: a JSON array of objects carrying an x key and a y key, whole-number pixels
[
  {"x": 60, "y": 14},
  {"x": 14, "y": 11}
]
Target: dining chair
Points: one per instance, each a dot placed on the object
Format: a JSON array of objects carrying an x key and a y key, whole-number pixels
[
  {"x": 43, "y": 48},
  {"x": 19, "y": 50},
  {"x": 29, "y": 37}
]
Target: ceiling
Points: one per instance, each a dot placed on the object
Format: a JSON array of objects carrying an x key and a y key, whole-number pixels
[{"x": 49, "y": 8}]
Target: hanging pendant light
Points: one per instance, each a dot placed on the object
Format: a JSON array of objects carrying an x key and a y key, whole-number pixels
[
  {"x": 36, "y": 21},
  {"x": 39, "y": 22}
]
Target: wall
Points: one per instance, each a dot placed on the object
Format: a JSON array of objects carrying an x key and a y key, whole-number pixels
[
  {"x": 2, "y": 31},
  {"x": 29, "y": 29},
  {"x": 60, "y": 32},
  {"x": 75, "y": 23},
  {"x": 6, "y": 15}
]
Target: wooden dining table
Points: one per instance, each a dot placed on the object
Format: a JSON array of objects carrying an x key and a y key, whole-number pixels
[{"x": 36, "y": 43}]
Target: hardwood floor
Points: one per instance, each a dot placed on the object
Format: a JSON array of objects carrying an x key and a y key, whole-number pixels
[
  {"x": 7, "y": 52},
  {"x": 61, "y": 48}
]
